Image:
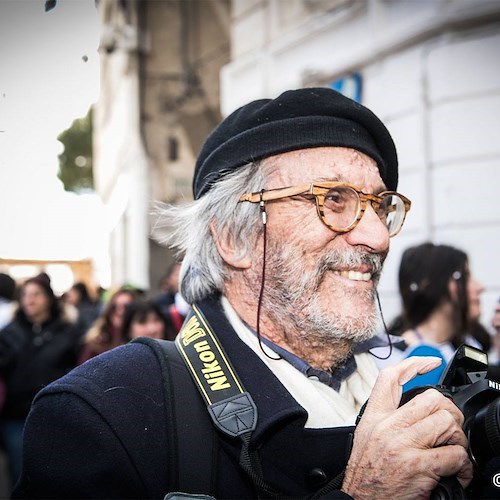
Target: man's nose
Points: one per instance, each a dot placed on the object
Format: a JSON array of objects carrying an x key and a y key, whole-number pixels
[{"x": 370, "y": 232}]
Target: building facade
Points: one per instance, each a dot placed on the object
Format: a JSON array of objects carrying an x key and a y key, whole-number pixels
[
  {"x": 428, "y": 68},
  {"x": 160, "y": 65}
]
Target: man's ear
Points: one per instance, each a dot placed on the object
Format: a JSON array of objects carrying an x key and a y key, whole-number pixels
[{"x": 231, "y": 255}]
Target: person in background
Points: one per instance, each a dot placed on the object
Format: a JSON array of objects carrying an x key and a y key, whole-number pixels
[
  {"x": 7, "y": 299},
  {"x": 479, "y": 336},
  {"x": 495, "y": 324},
  {"x": 440, "y": 301},
  {"x": 106, "y": 332},
  {"x": 169, "y": 286},
  {"x": 37, "y": 347},
  {"x": 143, "y": 319},
  {"x": 8, "y": 305},
  {"x": 171, "y": 303},
  {"x": 175, "y": 316},
  {"x": 78, "y": 296}
]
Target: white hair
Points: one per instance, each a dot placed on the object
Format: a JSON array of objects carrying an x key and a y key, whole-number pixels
[{"x": 203, "y": 271}]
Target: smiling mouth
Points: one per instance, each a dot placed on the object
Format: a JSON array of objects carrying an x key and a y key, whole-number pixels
[{"x": 354, "y": 275}]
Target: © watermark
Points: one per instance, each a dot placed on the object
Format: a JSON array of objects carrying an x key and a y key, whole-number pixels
[{"x": 496, "y": 480}]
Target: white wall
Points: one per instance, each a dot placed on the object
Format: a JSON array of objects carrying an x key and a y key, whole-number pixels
[{"x": 430, "y": 71}]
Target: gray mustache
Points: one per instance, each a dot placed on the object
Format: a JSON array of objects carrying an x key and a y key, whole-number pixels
[{"x": 351, "y": 260}]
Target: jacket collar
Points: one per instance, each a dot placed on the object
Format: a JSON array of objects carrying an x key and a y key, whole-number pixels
[{"x": 274, "y": 403}]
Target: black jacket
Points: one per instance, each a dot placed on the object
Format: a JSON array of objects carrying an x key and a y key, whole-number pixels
[
  {"x": 101, "y": 431},
  {"x": 32, "y": 357}
]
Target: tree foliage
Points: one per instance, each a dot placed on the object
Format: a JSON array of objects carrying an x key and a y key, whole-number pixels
[{"x": 75, "y": 162}]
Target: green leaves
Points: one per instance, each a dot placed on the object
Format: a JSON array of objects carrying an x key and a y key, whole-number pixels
[{"x": 75, "y": 162}]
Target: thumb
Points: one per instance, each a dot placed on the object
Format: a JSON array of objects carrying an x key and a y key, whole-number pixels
[{"x": 388, "y": 388}]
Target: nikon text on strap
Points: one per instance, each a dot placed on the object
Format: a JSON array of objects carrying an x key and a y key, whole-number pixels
[{"x": 230, "y": 406}]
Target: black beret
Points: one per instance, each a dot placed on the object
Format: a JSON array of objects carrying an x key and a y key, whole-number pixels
[{"x": 297, "y": 119}]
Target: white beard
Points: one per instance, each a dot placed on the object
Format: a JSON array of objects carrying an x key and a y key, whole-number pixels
[{"x": 292, "y": 297}]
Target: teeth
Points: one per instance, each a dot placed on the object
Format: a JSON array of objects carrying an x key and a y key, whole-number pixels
[{"x": 355, "y": 275}]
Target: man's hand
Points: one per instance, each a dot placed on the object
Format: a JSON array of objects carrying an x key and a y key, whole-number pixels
[{"x": 403, "y": 452}]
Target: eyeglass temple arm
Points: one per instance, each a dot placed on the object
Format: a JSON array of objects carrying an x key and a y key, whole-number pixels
[{"x": 274, "y": 194}]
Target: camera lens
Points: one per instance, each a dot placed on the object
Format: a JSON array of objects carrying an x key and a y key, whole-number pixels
[{"x": 484, "y": 433}]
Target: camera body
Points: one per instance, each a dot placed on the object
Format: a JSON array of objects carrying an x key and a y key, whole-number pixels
[{"x": 466, "y": 382}]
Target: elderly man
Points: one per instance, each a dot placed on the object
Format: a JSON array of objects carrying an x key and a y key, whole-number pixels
[{"x": 294, "y": 208}]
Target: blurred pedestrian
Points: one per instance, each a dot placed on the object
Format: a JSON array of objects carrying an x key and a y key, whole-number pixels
[
  {"x": 440, "y": 300},
  {"x": 106, "y": 331},
  {"x": 8, "y": 307},
  {"x": 7, "y": 299},
  {"x": 495, "y": 323},
  {"x": 37, "y": 347},
  {"x": 88, "y": 310},
  {"x": 143, "y": 319},
  {"x": 175, "y": 316},
  {"x": 479, "y": 336},
  {"x": 169, "y": 286}
]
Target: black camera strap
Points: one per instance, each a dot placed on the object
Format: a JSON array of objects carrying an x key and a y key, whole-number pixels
[{"x": 231, "y": 408}]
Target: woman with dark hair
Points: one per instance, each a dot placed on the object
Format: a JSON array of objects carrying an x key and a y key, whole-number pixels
[
  {"x": 37, "y": 347},
  {"x": 78, "y": 296},
  {"x": 143, "y": 319},
  {"x": 106, "y": 332},
  {"x": 440, "y": 301}
]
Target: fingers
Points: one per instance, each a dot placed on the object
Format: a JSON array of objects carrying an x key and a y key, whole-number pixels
[
  {"x": 427, "y": 403},
  {"x": 438, "y": 429},
  {"x": 449, "y": 461},
  {"x": 386, "y": 393},
  {"x": 417, "y": 472},
  {"x": 466, "y": 472}
]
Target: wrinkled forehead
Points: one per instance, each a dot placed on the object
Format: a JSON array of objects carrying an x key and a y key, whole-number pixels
[{"x": 322, "y": 164}]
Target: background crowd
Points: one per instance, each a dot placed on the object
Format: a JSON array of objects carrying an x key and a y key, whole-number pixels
[{"x": 44, "y": 336}]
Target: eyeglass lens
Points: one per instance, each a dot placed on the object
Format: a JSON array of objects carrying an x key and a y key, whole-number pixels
[
  {"x": 392, "y": 213},
  {"x": 342, "y": 206}
]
